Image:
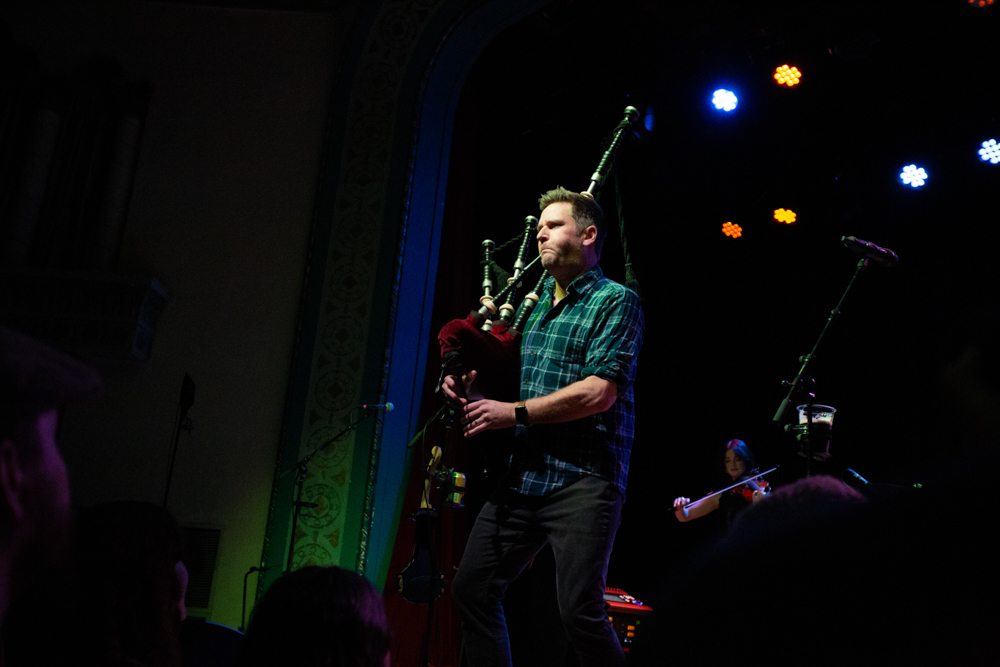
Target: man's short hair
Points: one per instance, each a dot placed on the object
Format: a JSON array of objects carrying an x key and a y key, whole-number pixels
[{"x": 586, "y": 211}]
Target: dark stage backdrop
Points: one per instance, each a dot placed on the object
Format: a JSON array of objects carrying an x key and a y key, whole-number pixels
[{"x": 885, "y": 84}]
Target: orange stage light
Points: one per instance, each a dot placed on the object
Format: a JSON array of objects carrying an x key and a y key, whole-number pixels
[
  {"x": 787, "y": 76},
  {"x": 784, "y": 215},
  {"x": 729, "y": 229}
]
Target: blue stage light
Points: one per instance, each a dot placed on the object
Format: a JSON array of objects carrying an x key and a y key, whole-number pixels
[
  {"x": 649, "y": 120},
  {"x": 913, "y": 176},
  {"x": 724, "y": 100},
  {"x": 990, "y": 152}
]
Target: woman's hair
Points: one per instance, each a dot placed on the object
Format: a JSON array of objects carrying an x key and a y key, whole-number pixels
[
  {"x": 323, "y": 616},
  {"x": 743, "y": 452}
]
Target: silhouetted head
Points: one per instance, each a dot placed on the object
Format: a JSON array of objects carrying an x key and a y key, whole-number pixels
[{"x": 321, "y": 616}]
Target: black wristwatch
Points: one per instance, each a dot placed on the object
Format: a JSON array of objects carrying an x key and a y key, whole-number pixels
[{"x": 521, "y": 413}]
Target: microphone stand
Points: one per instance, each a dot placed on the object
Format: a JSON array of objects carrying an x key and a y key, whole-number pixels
[
  {"x": 243, "y": 616},
  {"x": 183, "y": 424},
  {"x": 302, "y": 468},
  {"x": 801, "y": 380},
  {"x": 439, "y": 415}
]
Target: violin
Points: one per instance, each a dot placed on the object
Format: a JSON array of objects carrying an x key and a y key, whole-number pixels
[{"x": 753, "y": 486}]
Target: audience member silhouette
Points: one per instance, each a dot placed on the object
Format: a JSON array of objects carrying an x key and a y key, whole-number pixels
[
  {"x": 815, "y": 575},
  {"x": 118, "y": 603},
  {"x": 130, "y": 584},
  {"x": 318, "y": 617},
  {"x": 36, "y": 382}
]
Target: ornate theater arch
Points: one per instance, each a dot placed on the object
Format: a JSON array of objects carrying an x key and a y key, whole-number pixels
[{"x": 363, "y": 329}]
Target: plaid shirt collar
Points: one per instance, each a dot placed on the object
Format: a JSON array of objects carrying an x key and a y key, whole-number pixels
[{"x": 577, "y": 286}]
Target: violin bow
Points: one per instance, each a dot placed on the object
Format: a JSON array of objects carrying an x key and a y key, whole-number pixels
[{"x": 739, "y": 483}]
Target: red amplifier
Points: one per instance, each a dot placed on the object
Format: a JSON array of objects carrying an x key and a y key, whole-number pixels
[{"x": 626, "y": 614}]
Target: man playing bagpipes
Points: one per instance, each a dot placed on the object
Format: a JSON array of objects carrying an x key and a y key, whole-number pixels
[{"x": 574, "y": 429}]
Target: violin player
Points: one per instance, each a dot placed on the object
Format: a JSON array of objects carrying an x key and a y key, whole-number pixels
[{"x": 739, "y": 464}]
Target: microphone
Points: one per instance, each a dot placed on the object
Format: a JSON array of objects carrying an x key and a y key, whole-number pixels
[
  {"x": 881, "y": 256},
  {"x": 388, "y": 407}
]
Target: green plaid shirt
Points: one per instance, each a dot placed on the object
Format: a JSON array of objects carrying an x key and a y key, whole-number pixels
[{"x": 595, "y": 330}]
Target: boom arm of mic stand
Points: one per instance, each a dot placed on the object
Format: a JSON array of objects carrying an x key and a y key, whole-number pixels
[
  {"x": 423, "y": 430},
  {"x": 796, "y": 384}
]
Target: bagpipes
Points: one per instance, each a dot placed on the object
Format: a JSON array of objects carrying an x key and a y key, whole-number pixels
[{"x": 491, "y": 346}]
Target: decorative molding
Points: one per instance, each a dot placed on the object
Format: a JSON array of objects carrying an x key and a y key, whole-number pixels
[{"x": 344, "y": 333}]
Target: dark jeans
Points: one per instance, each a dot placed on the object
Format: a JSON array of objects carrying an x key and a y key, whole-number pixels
[{"x": 580, "y": 522}]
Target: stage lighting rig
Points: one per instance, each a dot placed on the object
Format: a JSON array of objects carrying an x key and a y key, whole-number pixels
[
  {"x": 990, "y": 152},
  {"x": 786, "y": 216},
  {"x": 724, "y": 100},
  {"x": 729, "y": 229},
  {"x": 913, "y": 176},
  {"x": 787, "y": 76}
]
